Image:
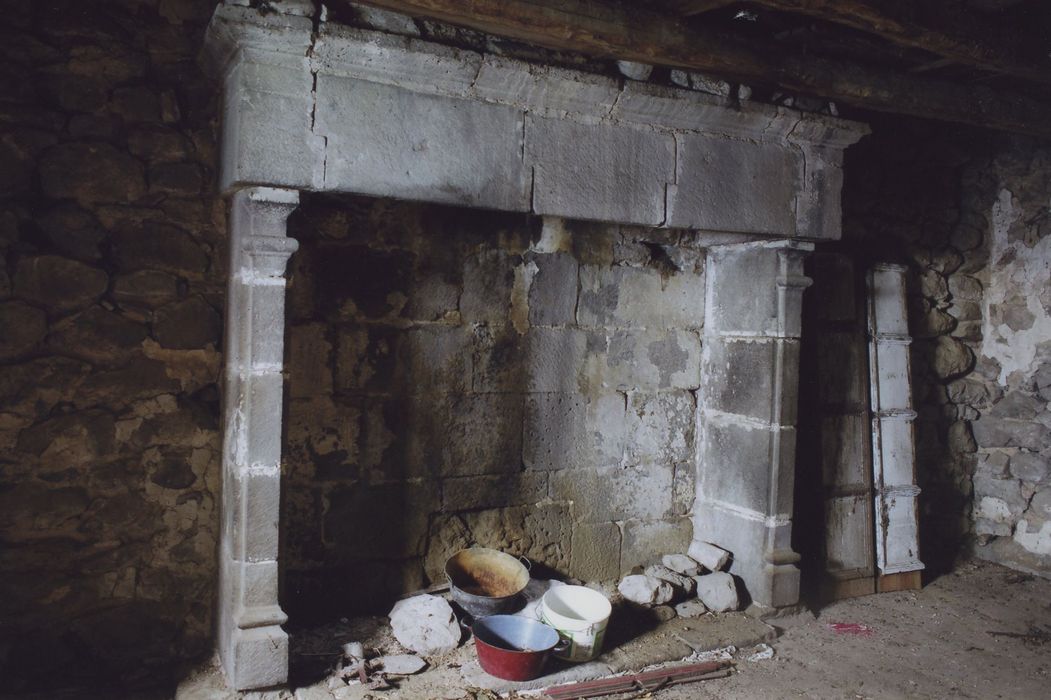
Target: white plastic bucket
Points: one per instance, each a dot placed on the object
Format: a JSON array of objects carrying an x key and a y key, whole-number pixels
[{"x": 580, "y": 615}]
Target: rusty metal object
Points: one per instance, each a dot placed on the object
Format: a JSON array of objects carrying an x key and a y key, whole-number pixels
[
  {"x": 485, "y": 581},
  {"x": 650, "y": 680}
]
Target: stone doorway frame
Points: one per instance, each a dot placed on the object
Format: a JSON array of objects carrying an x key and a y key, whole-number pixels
[{"x": 307, "y": 106}]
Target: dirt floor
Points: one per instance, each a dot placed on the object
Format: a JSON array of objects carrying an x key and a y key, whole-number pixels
[{"x": 981, "y": 632}]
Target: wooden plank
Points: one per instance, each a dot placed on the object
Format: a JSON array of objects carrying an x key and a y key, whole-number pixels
[
  {"x": 636, "y": 34},
  {"x": 833, "y": 588},
  {"x": 955, "y": 33},
  {"x": 904, "y": 581}
]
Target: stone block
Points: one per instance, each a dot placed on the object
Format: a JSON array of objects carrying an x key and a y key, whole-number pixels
[
  {"x": 149, "y": 288},
  {"x": 261, "y": 496},
  {"x": 622, "y": 296},
  {"x": 91, "y": 173},
  {"x": 739, "y": 377},
  {"x": 725, "y": 184},
  {"x": 660, "y": 427},
  {"x": 603, "y": 172},
  {"x": 192, "y": 324},
  {"x": 684, "y": 488},
  {"x": 649, "y": 360},
  {"x": 595, "y": 551},
  {"x": 434, "y": 358},
  {"x": 388, "y": 521},
  {"x": 496, "y": 359},
  {"x": 367, "y": 357},
  {"x": 95, "y": 334},
  {"x": 267, "y": 135},
  {"x": 553, "y": 292},
  {"x": 433, "y": 151},
  {"x": 738, "y": 467},
  {"x": 603, "y": 494},
  {"x": 991, "y": 431},
  {"x": 743, "y": 295},
  {"x": 24, "y": 327},
  {"x": 1030, "y": 467},
  {"x": 502, "y": 491},
  {"x": 258, "y": 658},
  {"x": 554, "y": 360},
  {"x": 542, "y": 533},
  {"x": 263, "y": 398},
  {"x": 646, "y": 540},
  {"x": 480, "y": 434},
  {"x": 58, "y": 283},
  {"x": 309, "y": 361},
  {"x": 555, "y": 432},
  {"x": 488, "y": 280},
  {"x": 544, "y": 88},
  {"x": 817, "y": 209}
]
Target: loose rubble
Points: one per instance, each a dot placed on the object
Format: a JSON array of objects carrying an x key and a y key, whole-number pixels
[
  {"x": 690, "y": 608},
  {"x": 400, "y": 664},
  {"x": 681, "y": 564},
  {"x": 645, "y": 590},
  {"x": 718, "y": 592},
  {"x": 426, "y": 624},
  {"x": 711, "y": 557},
  {"x": 683, "y": 584}
]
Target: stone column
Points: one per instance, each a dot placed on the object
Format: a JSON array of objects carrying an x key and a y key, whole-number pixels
[
  {"x": 747, "y": 413},
  {"x": 252, "y": 646}
]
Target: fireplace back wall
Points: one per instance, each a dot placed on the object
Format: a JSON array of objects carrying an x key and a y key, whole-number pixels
[{"x": 458, "y": 376}]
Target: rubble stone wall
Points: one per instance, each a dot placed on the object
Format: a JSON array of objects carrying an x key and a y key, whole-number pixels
[
  {"x": 461, "y": 377},
  {"x": 112, "y": 270},
  {"x": 968, "y": 212}
]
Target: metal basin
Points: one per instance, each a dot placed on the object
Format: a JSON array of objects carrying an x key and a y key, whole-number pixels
[
  {"x": 513, "y": 648},
  {"x": 486, "y": 582}
]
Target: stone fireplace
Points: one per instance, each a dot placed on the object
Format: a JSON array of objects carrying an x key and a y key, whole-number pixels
[{"x": 652, "y": 272}]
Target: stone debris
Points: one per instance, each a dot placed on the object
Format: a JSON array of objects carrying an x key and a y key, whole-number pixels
[
  {"x": 664, "y": 612},
  {"x": 681, "y": 564},
  {"x": 718, "y": 592},
  {"x": 400, "y": 664},
  {"x": 426, "y": 624},
  {"x": 635, "y": 70},
  {"x": 761, "y": 653},
  {"x": 710, "y": 557},
  {"x": 684, "y": 584},
  {"x": 691, "y": 608},
  {"x": 645, "y": 590}
]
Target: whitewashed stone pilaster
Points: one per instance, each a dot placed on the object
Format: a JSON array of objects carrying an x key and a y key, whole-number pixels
[
  {"x": 252, "y": 646},
  {"x": 747, "y": 413},
  {"x": 893, "y": 445}
]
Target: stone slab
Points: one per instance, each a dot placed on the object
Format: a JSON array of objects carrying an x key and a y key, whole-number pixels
[
  {"x": 725, "y": 184},
  {"x": 437, "y": 149},
  {"x": 603, "y": 172}
]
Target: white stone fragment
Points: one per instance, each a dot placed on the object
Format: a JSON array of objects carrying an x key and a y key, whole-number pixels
[
  {"x": 761, "y": 653},
  {"x": 678, "y": 581},
  {"x": 634, "y": 70},
  {"x": 718, "y": 592},
  {"x": 681, "y": 564},
  {"x": 708, "y": 555},
  {"x": 645, "y": 590},
  {"x": 691, "y": 608},
  {"x": 354, "y": 650},
  {"x": 426, "y": 624},
  {"x": 401, "y": 664}
]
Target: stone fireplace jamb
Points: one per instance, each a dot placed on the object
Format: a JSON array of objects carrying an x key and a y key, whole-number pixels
[{"x": 252, "y": 645}]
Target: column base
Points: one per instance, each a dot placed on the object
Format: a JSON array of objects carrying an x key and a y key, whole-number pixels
[{"x": 257, "y": 658}]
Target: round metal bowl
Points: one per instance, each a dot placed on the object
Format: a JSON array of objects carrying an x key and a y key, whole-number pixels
[
  {"x": 513, "y": 648},
  {"x": 486, "y": 582}
]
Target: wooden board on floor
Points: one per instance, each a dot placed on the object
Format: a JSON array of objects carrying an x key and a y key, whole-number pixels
[
  {"x": 903, "y": 581},
  {"x": 841, "y": 589}
]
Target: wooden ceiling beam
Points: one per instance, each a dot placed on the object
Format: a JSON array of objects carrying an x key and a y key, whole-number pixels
[
  {"x": 946, "y": 29},
  {"x": 637, "y": 34},
  {"x": 687, "y": 8}
]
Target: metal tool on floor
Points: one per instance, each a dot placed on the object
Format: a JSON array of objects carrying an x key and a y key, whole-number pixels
[{"x": 650, "y": 680}]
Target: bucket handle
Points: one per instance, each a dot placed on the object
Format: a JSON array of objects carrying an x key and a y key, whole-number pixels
[{"x": 526, "y": 563}]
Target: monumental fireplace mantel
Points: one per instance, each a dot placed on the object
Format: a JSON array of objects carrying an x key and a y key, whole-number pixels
[{"x": 315, "y": 106}]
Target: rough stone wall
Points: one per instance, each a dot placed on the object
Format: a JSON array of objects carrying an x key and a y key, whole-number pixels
[
  {"x": 967, "y": 211},
  {"x": 112, "y": 267},
  {"x": 461, "y": 377}
]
